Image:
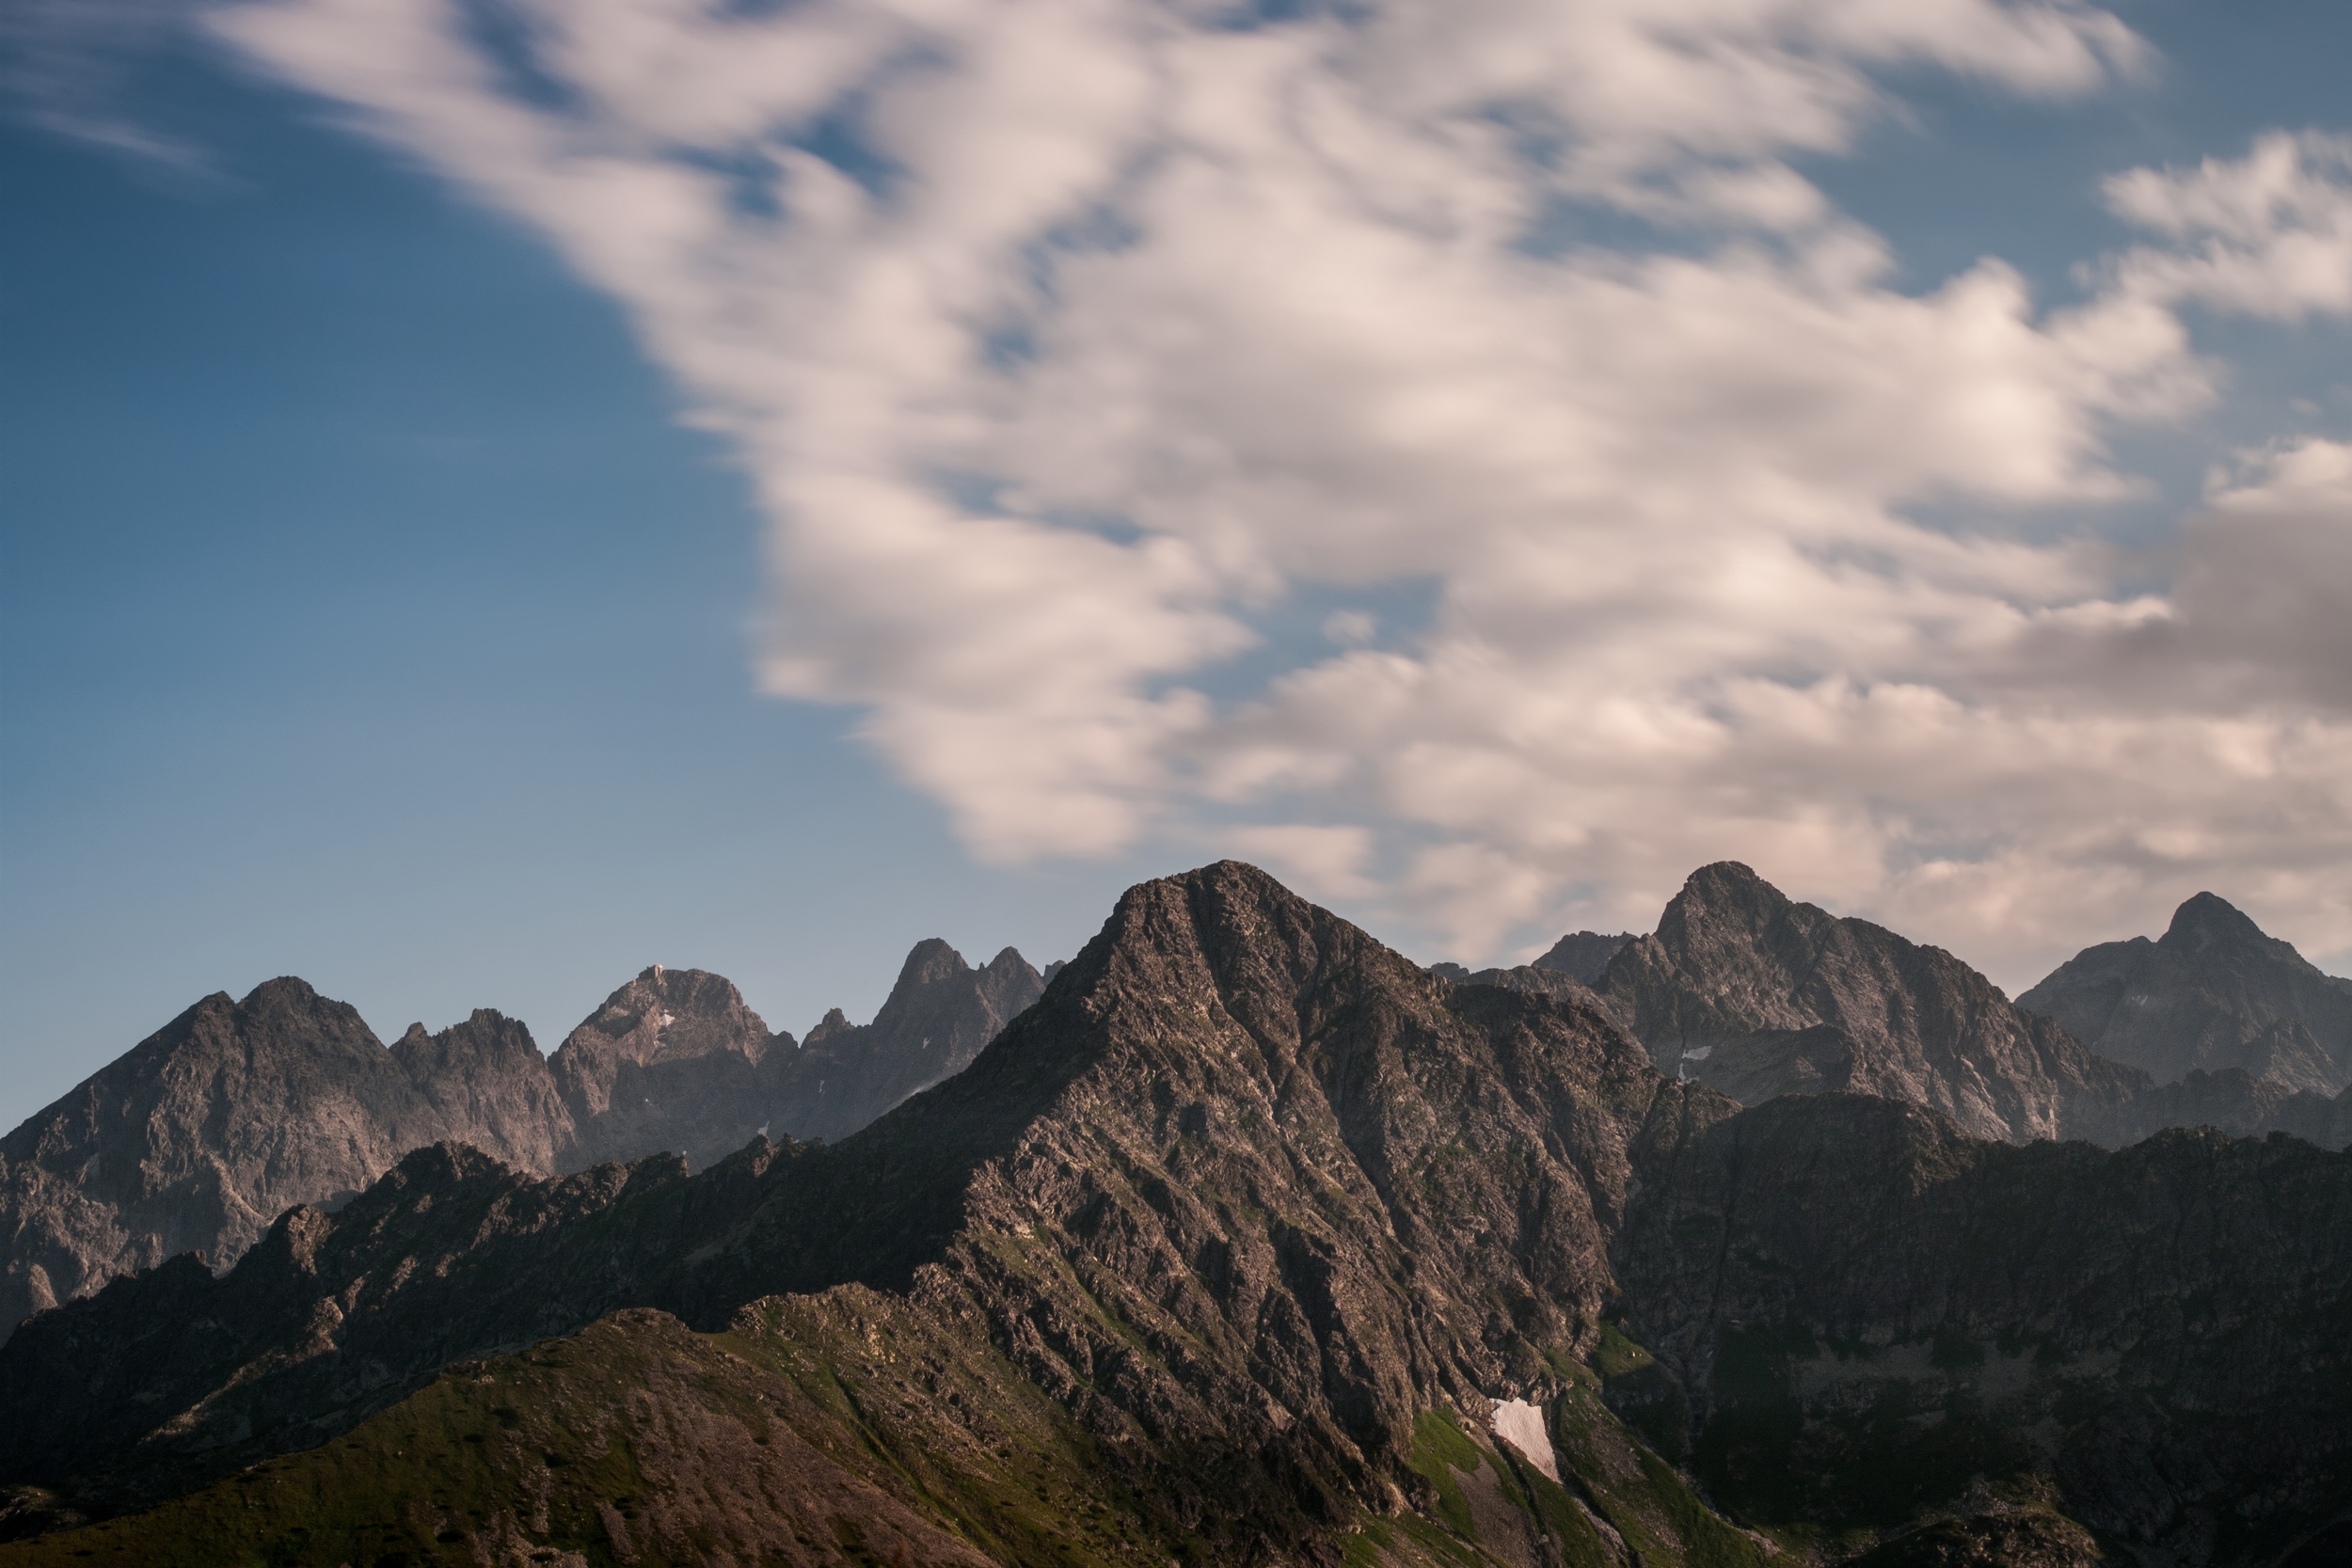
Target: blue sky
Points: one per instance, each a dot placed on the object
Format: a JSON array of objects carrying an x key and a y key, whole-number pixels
[
  {"x": 369, "y": 618},
  {"x": 412, "y": 587}
]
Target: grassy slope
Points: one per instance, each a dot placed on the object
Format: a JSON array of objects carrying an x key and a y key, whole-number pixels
[{"x": 848, "y": 1427}]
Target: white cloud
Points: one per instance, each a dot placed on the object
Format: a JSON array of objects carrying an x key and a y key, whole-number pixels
[
  {"x": 1124, "y": 322},
  {"x": 1319, "y": 862},
  {"x": 2272, "y": 232}
]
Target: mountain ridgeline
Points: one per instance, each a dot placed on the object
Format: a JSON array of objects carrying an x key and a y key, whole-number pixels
[
  {"x": 208, "y": 1130},
  {"x": 1250, "y": 1241},
  {"x": 1760, "y": 996},
  {"x": 2213, "y": 994}
]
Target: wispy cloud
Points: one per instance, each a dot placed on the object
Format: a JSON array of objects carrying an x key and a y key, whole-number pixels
[
  {"x": 1061, "y": 337},
  {"x": 66, "y": 68}
]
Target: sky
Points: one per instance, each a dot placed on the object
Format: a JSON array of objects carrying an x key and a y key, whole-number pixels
[{"x": 499, "y": 493}]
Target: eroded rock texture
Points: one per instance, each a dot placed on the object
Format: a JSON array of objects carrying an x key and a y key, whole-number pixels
[
  {"x": 670, "y": 1062},
  {"x": 1241, "y": 1230},
  {"x": 1743, "y": 988},
  {"x": 197, "y": 1138},
  {"x": 1583, "y": 955},
  {"x": 204, "y": 1133},
  {"x": 1246, "y": 1193}
]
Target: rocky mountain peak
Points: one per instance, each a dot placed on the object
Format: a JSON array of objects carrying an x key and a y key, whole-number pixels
[
  {"x": 2215, "y": 992},
  {"x": 1759, "y": 995},
  {"x": 1726, "y": 893},
  {"x": 668, "y": 1014},
  {"x": 936, "y": 1018},
  {"x": 669, "y": 1062},
  {"x": 1265, "y": 1226},
  {"x": 2209, "y": 919},
  {"x": 202, "y": 1134}
]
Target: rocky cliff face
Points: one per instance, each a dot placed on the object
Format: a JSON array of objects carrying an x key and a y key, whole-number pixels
[
  {"x": 939, "y": 1015},
  {"x": 1743, "y": 989},
  {"x": 1241, "y": 1233},
  {"x": 205, "y": 1131},
  {"x": 670, "y": 1063},
  {"x": 2213, "y": 992}
]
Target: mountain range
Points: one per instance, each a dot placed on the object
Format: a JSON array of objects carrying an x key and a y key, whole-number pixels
[
  {"x": 200, "y": 1137},
  {"x": 1248, "y": 1240}
]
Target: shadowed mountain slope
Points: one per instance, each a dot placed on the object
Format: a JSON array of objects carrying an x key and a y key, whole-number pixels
[
  {"x": 1259, "y": 1218},
  {"x": 201, "y": 1134},
  {"x": 2213, "y": 992},
  {"x": 1745, "y": 990},
  {"x": 1868, "y": 1315}
]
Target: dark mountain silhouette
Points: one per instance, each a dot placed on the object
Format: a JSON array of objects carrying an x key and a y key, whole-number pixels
[
  {"x": 2213, "y": 993},
  {"x": 1226, "y": 1250}
]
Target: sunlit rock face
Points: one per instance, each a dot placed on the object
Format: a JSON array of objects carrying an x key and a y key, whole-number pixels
[
  {"x": 669, "y": 1063},
  {"x": 1745, "y": 990},
  {"x": 2213, "y": 992},
  {"x": 197, "y": 1138}
]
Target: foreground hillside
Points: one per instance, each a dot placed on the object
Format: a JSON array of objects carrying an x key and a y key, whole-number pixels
[{"x": 1227, "y": 1250}]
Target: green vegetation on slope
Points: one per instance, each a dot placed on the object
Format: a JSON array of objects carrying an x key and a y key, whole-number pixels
[{"x": 847, "y": 1427}]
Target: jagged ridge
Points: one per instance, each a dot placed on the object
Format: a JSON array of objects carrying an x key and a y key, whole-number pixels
[{"x": 1253, "y": 1199}]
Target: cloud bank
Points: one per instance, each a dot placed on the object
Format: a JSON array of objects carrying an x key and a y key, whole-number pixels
[{"x": 1065, "y": 341}]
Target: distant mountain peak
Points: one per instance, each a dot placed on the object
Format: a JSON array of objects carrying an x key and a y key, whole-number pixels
[
  {"x": 1759, "y": 995},
  {"x": 2209, "y": 918},
  {"x": 672, "y": 1013},
  {"x": 936, "y": 1018},
  {"x": 2215, "y": 992}
]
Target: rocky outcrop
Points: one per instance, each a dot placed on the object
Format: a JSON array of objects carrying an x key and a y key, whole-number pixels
[
  {"x": 670, "y": 1063},
  {"x": 483, "y": 1082},
  {"x": 200, "y": 1135},
  {"x": 1529, "y": 978},
  {"x": 1743, "y": 989},
  {"x": 1584, "y": 954},
  {"x": 1244, "y": 1228},
  {"x": 939, "y": 1015},
  {"x": 2213, "y": 993}
]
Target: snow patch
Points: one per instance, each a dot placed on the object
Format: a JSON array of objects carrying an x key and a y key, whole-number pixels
[{"x": 1521, "y": 1425}]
